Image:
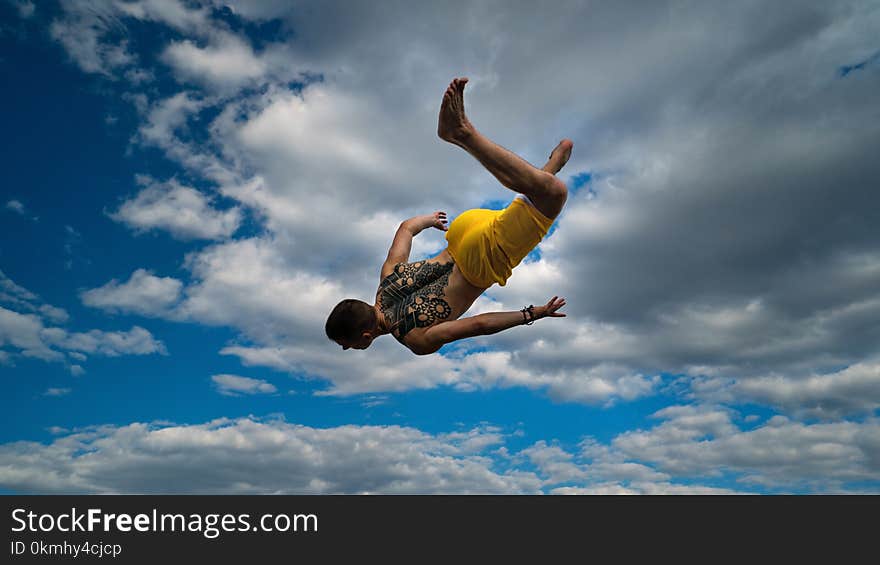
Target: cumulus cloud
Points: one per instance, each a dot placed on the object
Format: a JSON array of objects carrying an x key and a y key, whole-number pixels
[
  {"x": 220, "y": 457},
  {"x": 30, "y": 331},
  {"x": 143, "y": 293},
  {"x": 166, "y": 116},
  {"x": 183, "y": 211},
  {"x": 181, "y": 16},
  {"x": 53, "y": 313},
  {"x": 136, "y": 341},
  {"x": 227, "y": 62},
  {"x": 23, "y": 332},
  {"x": 16, "y": 206},
  {"x": 15, "y": 294},
  {"x": 706, "y": 442},
  {"x": 852, "y": 391},
  {"x": 27, "y": 334},
  {"x": 250, "y": 456},
  {"x": 249, "y": 284},
  {"x": 93, "y": 36},
  {"x": 94, "y": 32},
  {"x": 234, "y": 385},
  {"x": 26, "y": 8},
  {"x": 651, "y": 489},
  {"x": 781, "y": 452}
]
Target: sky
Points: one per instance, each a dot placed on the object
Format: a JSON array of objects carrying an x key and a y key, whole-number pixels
[{"x": 190, "y": 187}]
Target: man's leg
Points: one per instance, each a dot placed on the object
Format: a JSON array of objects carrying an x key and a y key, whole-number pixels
[{"x": 546, "y": 192}]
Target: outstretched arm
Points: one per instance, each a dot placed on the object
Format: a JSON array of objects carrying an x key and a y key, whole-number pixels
[
  {"x": 402, "y": 244},
  {"x": 438, "y": 335}
]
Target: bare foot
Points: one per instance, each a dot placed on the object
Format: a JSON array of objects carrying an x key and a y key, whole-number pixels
[
  {"x": 453, "y": 126},
  {"x": 559, "y": 157}
]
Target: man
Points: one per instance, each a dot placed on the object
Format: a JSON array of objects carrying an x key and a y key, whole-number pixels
[{"x": 420, "y": 303}]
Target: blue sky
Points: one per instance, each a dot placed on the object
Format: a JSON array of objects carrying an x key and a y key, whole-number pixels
[{"x": 195, "y": 185}]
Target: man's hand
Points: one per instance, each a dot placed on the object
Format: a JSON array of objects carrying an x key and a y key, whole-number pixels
[
  {"x": 436, "y": 220},
  {"x": 402, "y": 244},
  {"x": 549, "y": 310}
]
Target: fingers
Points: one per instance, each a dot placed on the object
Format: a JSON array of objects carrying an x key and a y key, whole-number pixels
[{"x": 555, "y": 304}]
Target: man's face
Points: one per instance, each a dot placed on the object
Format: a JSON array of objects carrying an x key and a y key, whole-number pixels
[{"x": 364, "y": 342}]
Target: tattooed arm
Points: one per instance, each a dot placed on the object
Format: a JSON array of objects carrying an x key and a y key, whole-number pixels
[
  {"x": 402, "y": 244},
  {"x": 440, "y": 334}
]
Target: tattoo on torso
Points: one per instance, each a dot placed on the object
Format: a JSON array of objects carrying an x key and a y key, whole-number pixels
[{"x": 412, "y": 296}]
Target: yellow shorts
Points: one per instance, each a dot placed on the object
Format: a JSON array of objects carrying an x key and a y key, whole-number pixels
[{"x": 487, "y": 244}]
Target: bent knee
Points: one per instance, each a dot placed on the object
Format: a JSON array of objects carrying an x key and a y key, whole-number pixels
[
  {"x": 552, "y": 196},
  {"x": 554, "y": 189},
  {"x": 551, "y": 185}
]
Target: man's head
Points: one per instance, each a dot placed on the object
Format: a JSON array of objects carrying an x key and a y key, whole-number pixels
[{"x": 352, "y": 324}]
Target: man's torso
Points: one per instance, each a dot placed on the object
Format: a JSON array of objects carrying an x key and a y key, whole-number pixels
[{"x": 415, "y": 296}]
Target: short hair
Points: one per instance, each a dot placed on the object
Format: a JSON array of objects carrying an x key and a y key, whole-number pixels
[{"x": 349, "y": 319}]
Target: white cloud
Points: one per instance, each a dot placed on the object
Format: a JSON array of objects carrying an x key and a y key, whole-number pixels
[
  {"x": 704, "y": 443},
  {"x": 168, "y": 124},
  {"x": 94, "y": 32},
  {"x": 29, "y": 334},
  {"x": 781, "y": 453},
  {"x": 143, "y": 293},
  {"x": 26, "y": 8},
  {"x": 136, "y": 341},
  {"x": 227, "y": 61},
  {"x": 91, "y": 32},
  {"x": 136, "y": 77},
  {"x": 595, "y": 385},
  {"x": 234, "y": 385},
  {"x": 853, "y": 390},
  {"x": 165, "y": 117},
  {"x": 174, "y": 13},
  {"x": 183, "y": 211},
  {"x": 54, "y": 314},
  {"x": 16, "y": 206},
  {"x": 220, "y": 457},
  {"x": 24, "y": 333},
  {"x": 651, "y": 489},
  {"x": 15, "y": 294},
  {"x": 246, "y": 456},
  {"x": 249, "y": 284},
  {"x": 57, "y": 392}
]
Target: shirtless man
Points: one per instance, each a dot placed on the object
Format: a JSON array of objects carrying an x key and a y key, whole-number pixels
[{"x": 420, "y": 303}]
